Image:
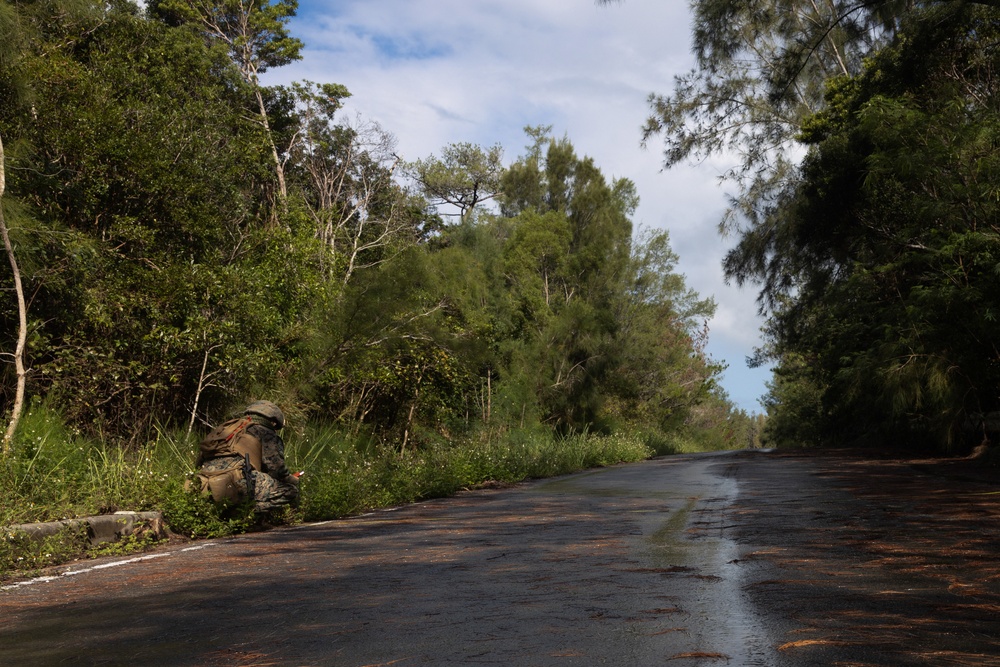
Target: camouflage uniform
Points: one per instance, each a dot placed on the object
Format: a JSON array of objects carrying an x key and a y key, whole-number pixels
[{"x": 273, "y": 486}]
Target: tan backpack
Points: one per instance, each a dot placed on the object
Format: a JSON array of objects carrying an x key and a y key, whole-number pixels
[
  {"x": 233, "y": 484},
  {"x": 231, "y": 439}
]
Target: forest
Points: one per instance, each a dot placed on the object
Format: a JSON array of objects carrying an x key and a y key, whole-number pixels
[
  {"x": 864, "y": 208},
  {"x": 188, "y": 238},
  {"x": 182, "y": 239}
]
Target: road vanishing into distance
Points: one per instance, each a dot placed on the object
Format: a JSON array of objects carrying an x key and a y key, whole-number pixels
[{"x": 737, "y": 558}]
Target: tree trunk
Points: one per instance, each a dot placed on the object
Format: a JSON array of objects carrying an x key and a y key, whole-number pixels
[
  {"x": 22, "y": 311},
  {"x": 279, "y": 167},
  {"x": 203, "y": 383},
  {"x": 409, "y": 416}
]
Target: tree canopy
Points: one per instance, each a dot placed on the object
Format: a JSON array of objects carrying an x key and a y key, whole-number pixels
[
  {"x": 884, "y": 256},
  {"x": 165, "y": 286},
  {"x": 863, "y": 141}
]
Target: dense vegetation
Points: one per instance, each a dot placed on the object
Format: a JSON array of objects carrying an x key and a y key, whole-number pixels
[
  {"x": 188, "y": 239},
  {"x": 878, "y": 254}
]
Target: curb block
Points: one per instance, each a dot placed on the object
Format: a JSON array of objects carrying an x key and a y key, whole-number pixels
[{"x": 100, "y": 529}]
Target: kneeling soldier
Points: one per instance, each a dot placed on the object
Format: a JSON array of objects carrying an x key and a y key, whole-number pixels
[{"x": 245, "y": 458}]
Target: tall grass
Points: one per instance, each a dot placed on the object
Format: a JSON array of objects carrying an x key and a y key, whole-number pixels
[
  {"x": 55, "y": 474},
  {"x": 342, "y": 480}
]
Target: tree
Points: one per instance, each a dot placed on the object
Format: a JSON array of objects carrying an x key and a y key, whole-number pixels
[
  {"x": 566, "y": 261},
  {"x": 396, "y": 355},
  {"x": 794, "y": 403},
  {"x": 346, "y": 172},
  {"x": 873, "y": 248},
  {"x": 255, "y": 33},
  {"x": 22, "y": 311},
  {"x": 12, "y": 47},
  {"x": 663, "y": 371},
  {"x": 881, "y": 262},
  {"x": 547, "y": 311},
  {"x": 155, "y": 294},
  {"x": 142, "y": 177},
  {"x": 761, "y": 68},
  {"x": 464, "y": 176}
]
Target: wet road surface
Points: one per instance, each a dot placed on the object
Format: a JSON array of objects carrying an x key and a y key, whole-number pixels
[{"x": 747, "y": 558}]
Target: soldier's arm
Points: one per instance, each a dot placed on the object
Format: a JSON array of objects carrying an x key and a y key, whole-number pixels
[{"x": 273, "y": 454}]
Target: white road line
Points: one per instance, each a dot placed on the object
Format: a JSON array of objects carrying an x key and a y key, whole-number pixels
[{"x": 101, "y": 566}]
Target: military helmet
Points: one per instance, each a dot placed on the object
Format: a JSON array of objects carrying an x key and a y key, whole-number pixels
[{"x": 268, "y": 410}]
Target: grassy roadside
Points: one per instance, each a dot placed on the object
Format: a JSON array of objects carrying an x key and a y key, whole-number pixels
[{"x": 54, "y": 474}]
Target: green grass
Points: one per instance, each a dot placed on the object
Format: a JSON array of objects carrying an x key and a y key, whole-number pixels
[
  {"x": 341, "y": 480},
  {"x": 54, "y": 474},
  {"x": 18, "y": 552}
]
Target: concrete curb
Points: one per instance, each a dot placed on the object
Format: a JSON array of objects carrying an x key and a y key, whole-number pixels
[{"x": 100, "y": 529}]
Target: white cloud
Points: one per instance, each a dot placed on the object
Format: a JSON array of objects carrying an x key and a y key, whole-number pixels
[{"x": 435, "y": 72}]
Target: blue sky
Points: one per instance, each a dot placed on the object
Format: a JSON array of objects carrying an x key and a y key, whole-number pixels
[{"x": 435, "y": 72}]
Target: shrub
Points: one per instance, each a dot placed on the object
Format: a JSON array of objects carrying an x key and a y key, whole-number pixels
[{"x": 189, "y": 513}]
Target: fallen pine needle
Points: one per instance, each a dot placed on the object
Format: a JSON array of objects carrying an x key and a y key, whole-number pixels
[{"x": 812, "y": 642}]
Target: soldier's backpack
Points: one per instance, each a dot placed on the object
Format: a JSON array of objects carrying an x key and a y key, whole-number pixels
[
  {"x": 234, "y": 483},
  {"x": 231, "y": 439}
]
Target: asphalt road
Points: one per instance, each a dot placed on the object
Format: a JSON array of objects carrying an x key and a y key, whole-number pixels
[{"x": 747, "y": 558}]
